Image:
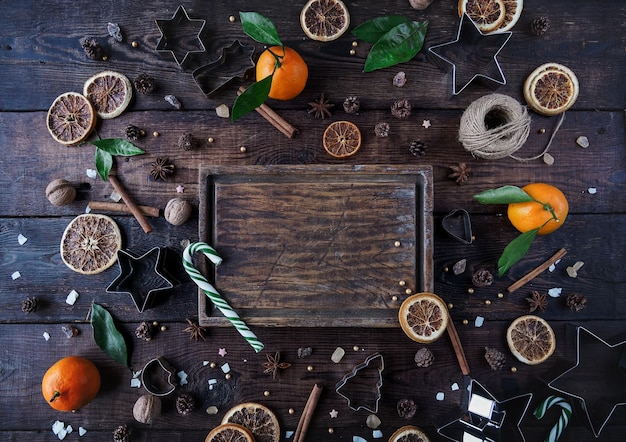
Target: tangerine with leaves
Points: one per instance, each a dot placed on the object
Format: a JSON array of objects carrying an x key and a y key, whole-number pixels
[
  {"x": 547, "y": 212},
  {"x": 289, "y": 72},
  {"x": 70, "y": 383}
]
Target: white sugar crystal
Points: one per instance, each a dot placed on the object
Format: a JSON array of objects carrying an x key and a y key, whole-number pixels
[
  {"x": 479, "y": 321},
  {"x": 92, "y": 173},
  {"x": 69, "y": 429},
  {"x": 212, "y": 381},
  {"x": 135, "y": 383},
  {"x": 115, "y": 196},
  {"x": 72, "y": 297},
  {"x": 222, "y": 111},
  {"x": 61, "y": 434},
  {"x": 87, "y": 209},
  {"x": 552, "y": 268},
  {"x": 81, "y": 431},
  {"x": 58, "y": 426},
  {"x": 46, "y": 336},
  {"x": 15, "y": 275},
  {"x": 288, "y": 434},
  {"x": 358, "y": 439},
  {"x": 225, "y": 368},
  {"x": 183, "y": 377},
  {"x": 592, "y": 190},
  {"x": 555, "y": 292},
  {"x": 377, "y": 434},
  {"x": 21, "y": 239},
  {"x": 440, "y": 396},
  {"x": 338, "y": 355},
  {"x": 205, "y": 363},
  {"x": 454, "y": 387}
]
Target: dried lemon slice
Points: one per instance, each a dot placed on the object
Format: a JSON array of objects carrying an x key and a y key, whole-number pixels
[
  {"x": 90, "y": 243},
  {"x": 110, "y": 93},
  {"x": 229, "y": 433},
  {"x": 324, "y": 20},
  {"x": 256, "y": 418},
  {"x": 423, "y": 317},
  {"x": 342, "y": 139},
  {"x": 531, "y": 339},
  {"x": 488, "y": 15},
  {"x": 409, "y": 433},
  {"x": 71, "y": 118},
  {"x": 551, "y": 89}
]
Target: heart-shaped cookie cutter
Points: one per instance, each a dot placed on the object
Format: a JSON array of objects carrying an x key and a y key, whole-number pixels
[{"x": 458, "y": 225}]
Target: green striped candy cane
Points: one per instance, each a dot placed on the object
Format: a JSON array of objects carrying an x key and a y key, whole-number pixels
[
  {"x": 566, "y": 412},
  {"x": 213, "y": 294}
]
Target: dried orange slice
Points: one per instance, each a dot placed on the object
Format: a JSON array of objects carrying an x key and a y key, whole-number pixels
[
  {"x": 110, "y": 93},
  {"x": 531, "y": 339},
  {"x": 512, "y": 11},
  {"x": 423, "y": 317},
  {"x": 229, "y": 433},
  {"x": 90, "y": 243},
  {"x": 409, "y": 433},
  {"x": 256, "y": 418},
  {"x": 551, "y": 89},
  {"x": 71, "y": 118},
  {"x": 324, "y": 20},
  {"x": 488, "y": 15},
  {"x": 342, "y": 139}
]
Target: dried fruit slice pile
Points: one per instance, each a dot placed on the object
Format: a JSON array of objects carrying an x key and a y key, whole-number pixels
[
  {"x": 492, "y": 15},
  {"x": 551, "y": 89},
  {"x": 256, "y": 418},
  {"x": 229, "y": 433}
]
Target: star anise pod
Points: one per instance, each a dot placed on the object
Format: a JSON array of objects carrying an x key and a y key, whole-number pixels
[
  {"x": 460, "y": 173},
  {"x": 321, "y": 108},
  {"x": 195, "y": 331},
  {"x": 537, "y": 301},
  {"x": 161, "y": 168},
  {"x": 273, "y": 364}
]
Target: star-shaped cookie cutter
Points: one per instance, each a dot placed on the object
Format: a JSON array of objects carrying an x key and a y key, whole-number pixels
[
  {"x": 180, "y": 35},
  {"x": 141, "y": 277},
  {"x": 472, "y": 56},
  {"x": 597, "y": 379},
  {"x": 361, "y": 387}
]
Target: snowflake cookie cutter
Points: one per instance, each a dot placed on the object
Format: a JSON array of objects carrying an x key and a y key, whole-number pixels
[
  {"x": 361, "y": 387},
  {"x": 180, "y": 35},
  {"x": 158, "y": 377}
]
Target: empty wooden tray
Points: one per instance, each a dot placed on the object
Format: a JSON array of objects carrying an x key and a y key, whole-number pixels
[{"x": 316, "y": 245}]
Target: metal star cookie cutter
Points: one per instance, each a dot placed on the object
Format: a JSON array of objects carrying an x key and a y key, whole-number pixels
[
  {"x": 597, "y": 379},
  {"x": 141, "y": 277},
  {"x": 472, "y": 56},
  {"x": 180, "y": 35},
  {"x": 361, "y": 387},
  {"x": 458, "y": 225},
  {"x": 158, "y": 377},
  {"x": 234, "y": 62}
]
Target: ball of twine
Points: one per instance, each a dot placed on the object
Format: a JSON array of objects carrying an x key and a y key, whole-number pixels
[{"x": 494, "y": 126}]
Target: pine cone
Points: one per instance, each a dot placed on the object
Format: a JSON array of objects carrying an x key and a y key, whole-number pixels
[
  {"x": 92, "y": 48},
  {"x": 185, "y": 404},
  {"x": 134, "y": 133},
  {"x": 417, "y": 147},
  {"x": 482, "y": 278},
  {"x": 30, "y": 305},
  {"x": 122, "y": 434},
  {"x": 145, "y": 84},
  {"x": 540, "y": 25},
  {"x": 351, "y": 105},
  {"x": 406, "y": 408},
  {"x": 381, "y": 129},
  {"x": 401, "y": 109},
  {"x": 495, "y": 358},
  {"x": 144, "y": 331},
  {"x": 424, "y": 357},
  {"x": 576, "y": 302},
  {"x": 187, "y": 142}
]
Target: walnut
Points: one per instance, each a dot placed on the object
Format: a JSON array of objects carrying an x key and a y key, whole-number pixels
[
  {"x": 177, "y": 211},
  {"x": 401, "y": 109},
  {"x": 495, "y": 358},
  {"x": 147, "y": 408},
  {"x": 420, "y": 4},
  {"x": 60, "y": 192},
  {"x": 424, "y": 357},
  {"x": 381, "y": 129}
]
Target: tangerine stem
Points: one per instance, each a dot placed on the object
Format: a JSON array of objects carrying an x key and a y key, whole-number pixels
[
  {"x": 56, "y": 395},
  {"x": 277, "y": 58}
]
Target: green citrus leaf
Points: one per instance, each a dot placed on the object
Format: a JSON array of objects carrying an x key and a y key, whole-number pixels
[
  {"x": 104, "y": 162},
  {"x": 372, "y": 30},
  {"x": 398, "y": 45},
  {"x": 251, "y": 98},
  {"x": 117, "y": 146},
  {"x": 259, "y": 28},
  {"x": 515, "y": 251},
  {"x": 503, "y": 195},
  {"x": 107, "y": 336}
]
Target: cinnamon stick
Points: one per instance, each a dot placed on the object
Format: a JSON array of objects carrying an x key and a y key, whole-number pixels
[
  {"x": 307, "y": 414},
  {"x": 134, "y": 209},
  {"x": 120, "y": 207},
  {"x": 536, "y": 271},
  {"x": 458, "y": 348},
  {"x": 274, "y": 119}
]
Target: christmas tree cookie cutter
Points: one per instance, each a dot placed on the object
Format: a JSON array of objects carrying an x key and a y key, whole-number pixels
[{"x": 361, "y": 387}]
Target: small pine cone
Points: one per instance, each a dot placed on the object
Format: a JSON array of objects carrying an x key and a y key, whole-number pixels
[
  {"x": 122, "y": 434},
  {"x": 133, "y": 133},
  {"x": 381, "y": 129},
  {"x": 540, "y": 25},
  {"x": 144, "y": 331},
  {"x": 424, "y": 357},
  {"x": 187, "y": 142},
  {"x": 92, "y": 48},
  {"x": 576, "y": 302},
  {"x": 401, "y": 109},
  {"x": 495, "y": 358},
  {"x": 406, "y": 408},
  {"x": 30, "y": 305},
  {"x": 482, "y": 278},
  {"x": 145, "y": 84},
  {"x": 351, "y": 105},
  {"x": 417, "y": 148},
  {"x": 185, "y": 404}
]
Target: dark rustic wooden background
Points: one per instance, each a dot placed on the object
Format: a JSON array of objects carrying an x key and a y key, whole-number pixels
[{"x": 40, "y": 58}]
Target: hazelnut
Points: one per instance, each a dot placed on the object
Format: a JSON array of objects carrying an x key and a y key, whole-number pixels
[
  {"x": 420, "y": 4},
  {"x": 60, "y": 192},
  {"x": 147, "y": 408},
  {"x": 177, "y": 211}
]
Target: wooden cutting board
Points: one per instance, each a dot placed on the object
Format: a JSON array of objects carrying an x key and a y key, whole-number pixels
[{"x": 316, "y": 245}]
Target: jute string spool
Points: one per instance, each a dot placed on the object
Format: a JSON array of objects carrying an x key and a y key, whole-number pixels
[{"x": 496, "y": 126}]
